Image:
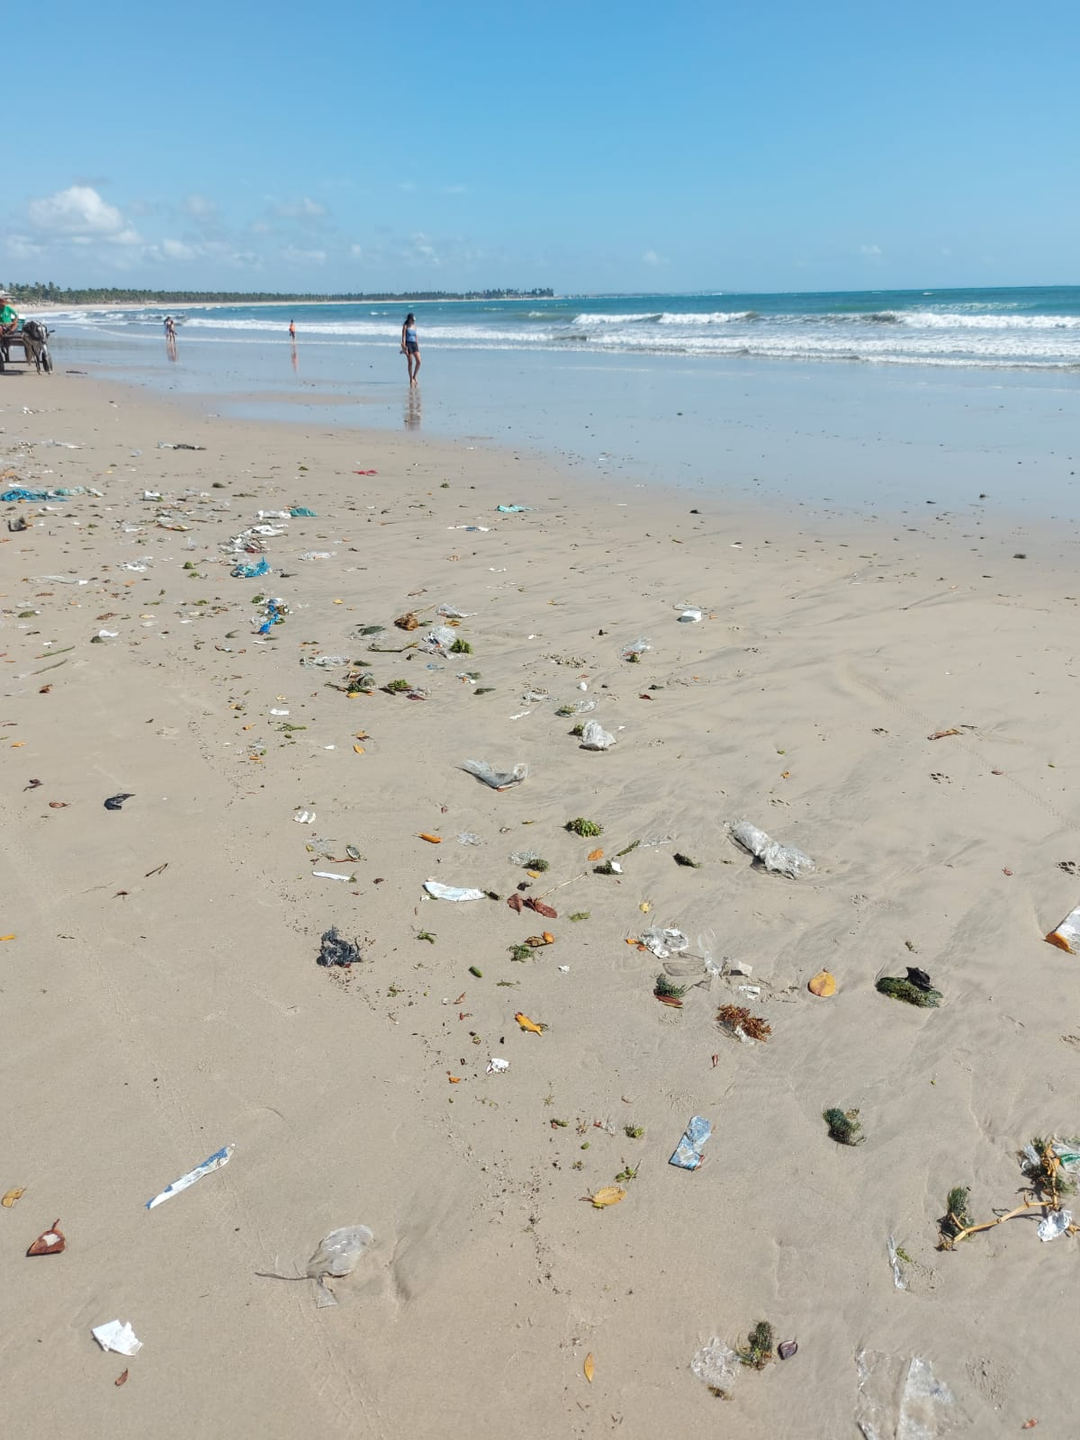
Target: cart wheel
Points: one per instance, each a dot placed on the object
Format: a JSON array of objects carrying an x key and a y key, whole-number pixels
[{"x": 46, "y": 360}]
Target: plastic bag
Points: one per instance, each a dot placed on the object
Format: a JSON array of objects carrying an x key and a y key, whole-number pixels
[
  {"x": 636, "y": 647},
  {"x": 595, "y": 737},
  {"x": 439, "y": 640},
  {"x": 439, "y": 891},
  {"x": 451, "y": 612},
  {"x": 784, "y": 859},
  {"x": 251, "y": 572},
  {"x": 663, "y": 942},
  {"x": 716, "y": 1364},
  {"x": 338, "y": 1254},
  {"x": 899, "y": 1399},
  {"x": 497, "y": 779}
]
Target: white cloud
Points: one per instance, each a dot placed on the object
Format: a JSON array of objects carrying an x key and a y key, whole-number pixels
[
  {"x": 79, "y": 210},
  {"x": 305, "y": 209},
  {"x": 178, "y": 250},
  {"x": 21, "y": 247},
  {"x": 199, "y": 207},
  {"x": 869, "y": 249},
  {"x": 652, "y": 258},
  {"x": 296, "y": 256}
]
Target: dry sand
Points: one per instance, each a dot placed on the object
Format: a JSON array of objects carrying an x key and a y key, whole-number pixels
[{"x": 148, "y": 1019}]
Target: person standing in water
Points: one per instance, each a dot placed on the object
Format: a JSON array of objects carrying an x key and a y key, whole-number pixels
[
  {"x": 292, "y": 331},
  {"x": 410, "y": 346}
]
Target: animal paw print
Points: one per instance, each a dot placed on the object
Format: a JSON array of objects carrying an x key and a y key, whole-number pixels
[{"x": 939, "y": 776}]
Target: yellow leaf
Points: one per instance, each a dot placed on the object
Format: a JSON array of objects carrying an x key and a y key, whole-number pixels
[
  {"x": 589, "y": 1368},
  {"x": 609, "y": 1195},
  {"x": 645, "y": 906},
  {"x": 431, "y": 839},
  {"x": 359, "y": 750},
  {"x": 597, "y": 855},
  {"x": 823, "y": 984},
  {"x": 527, "y": 1024},
  {"x": 12, "y": 1195},
  {"x": 7, "y": 937}
]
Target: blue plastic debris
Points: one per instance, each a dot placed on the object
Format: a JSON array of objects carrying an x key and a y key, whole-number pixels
[
  {"x": 514, "y": 509},
  {"x": 688, "y": 1151},
  {"x": 298, "y": 510},
  {"x": 22, "y": 492},
  {"x": 276, "y": 611},
  {"x": 250, "y": 572}
]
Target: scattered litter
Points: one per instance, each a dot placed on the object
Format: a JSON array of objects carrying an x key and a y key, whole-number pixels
[
  {"x": 451, "y": 612},
  {"x": 251, "y": 572},
  {"x": 305, "y": 817},
  {"x": 784, "y": 859},
  {"x": 663, "y": 942},
  {"x": 317, "y": 555},
  {"x": 941, "y": 734},
  {"x": 687, "y": 1154},
  {"x": 275, "y": 613},
  {"x": 514, "y": 509},
  {"x": 329, "y": 875},
  {"x": 497, "y": 779},
  {"x": 691, "y": 615},
  {"x": 334, "y": 949},
  {"x": 452, "y": 892},
  {"x": 1067, "y": 934},
  {"x": 116, "y": 1336},
  {"x": 180, "y": 445},
  {"x": 328, "y": 662},
  {"x": 716, "y": 1364},
  {"x": 301, "y": 510},
  {"x": 49, "y": 1242},
  {"x": 338, "y": 1254},
  {"x": 115, "y": 802},
  {"x": 595, "y": 737},
  {"x": 787, "y": 1348},
  {"x": 467, "y": 837},
  {"x": 1056, "y": 1223},
  {"x": 894, "y": 1261},
  {"x": 899, "y": 1399},
  {"x": 497, "y": 1066},
  {"x": 212, "y": 1162},
  {"x": 636, "y": 648}
]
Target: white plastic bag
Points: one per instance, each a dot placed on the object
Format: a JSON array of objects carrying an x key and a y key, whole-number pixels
[
  {"x": 595, "y": 737},
  {"x": 338, "y": 1254},
  {"x": 783, "y": 859},
  {"x": 497, "y": 779}
]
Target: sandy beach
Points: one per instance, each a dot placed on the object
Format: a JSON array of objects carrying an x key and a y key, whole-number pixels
[{"x": 161, "y": 996}]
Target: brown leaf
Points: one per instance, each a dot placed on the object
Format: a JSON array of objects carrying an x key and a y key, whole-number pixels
[
  {"x": 596, "y": 855},
  {"x": 121, "y": 1379},
  {"x": 941, "y": 734},
  {"x": 589, "y": 1368},
  {"x": 424, "y": 835},
  {"x": 516, "y": 903},
  {"x": 607, "y": 1195},
  {"x": 408, "y": 621},
  {"x": 58, "y": 804},
  {"x": 548, "y": 911},
  {"x": 49, "y": 1242}
]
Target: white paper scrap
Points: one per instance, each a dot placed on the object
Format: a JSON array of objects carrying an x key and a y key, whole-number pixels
[{"x": 116, "y": 1336}]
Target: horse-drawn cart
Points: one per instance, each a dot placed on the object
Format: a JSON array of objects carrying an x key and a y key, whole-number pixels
[{"x": 28, "y": 346}]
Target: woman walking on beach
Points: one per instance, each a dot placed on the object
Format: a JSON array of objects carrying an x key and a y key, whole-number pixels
[{"x": 410, "y": 346}]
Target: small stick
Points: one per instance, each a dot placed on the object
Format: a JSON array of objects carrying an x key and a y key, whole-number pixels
[{"x": 562, "y": 885}]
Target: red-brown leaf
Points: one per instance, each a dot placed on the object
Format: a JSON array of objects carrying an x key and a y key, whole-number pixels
[{"x": 548, "y": 911}]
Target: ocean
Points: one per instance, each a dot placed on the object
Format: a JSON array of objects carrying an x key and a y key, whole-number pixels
[{"x": 1001, "y": 328}]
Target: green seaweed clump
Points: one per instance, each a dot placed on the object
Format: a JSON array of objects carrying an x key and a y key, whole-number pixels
[
  {"x": 844, "y": 1126},
  {"x": 759, "y": 1346},
  {"x": 956, "y": 1218},
  {"x": 900, "y": 989},
  {"x": 584, "y": 828},
  {"x": 460, "y": 647},
  {"x": 664, "y": 989},
  {"x": 520, "y": 952},
  {"x": 581, "y": 915},
  {"x": 397, "y": 687}
]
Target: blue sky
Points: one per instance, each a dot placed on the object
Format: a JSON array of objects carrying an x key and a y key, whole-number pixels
[{"x": 590, "y": 147}]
